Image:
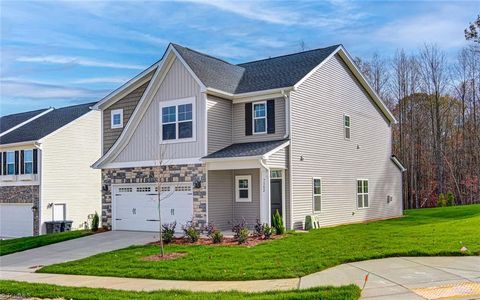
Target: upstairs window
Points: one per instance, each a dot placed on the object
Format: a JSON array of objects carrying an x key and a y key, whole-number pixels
[
  {"x": 243, "y": 188},
  {"x": 362, "y": 193},
  {"x": 259, "y": 117},
  {"x": 317, "y": 194},
  {"x": 177, "y": 120},
  {"x": 10, "y": 163},
  {"x": 346, "y": 125},
  {"x": 28, "y": 161},
  {"x": 116, "y": 118}
]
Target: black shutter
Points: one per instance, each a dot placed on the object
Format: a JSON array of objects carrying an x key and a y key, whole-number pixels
[
  {"x": 271, "y": 116},
  {"x": 1, "y": 163},
  {"x": 248, "y": 118},
  {"x": 16, "y": 163},
  {"x": 35, "y": 159},
  {"x": 22, "y": 162},
  {"x": 4, "y": 158}
]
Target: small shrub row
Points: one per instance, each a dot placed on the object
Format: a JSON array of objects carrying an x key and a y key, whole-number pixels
[{"x": 446, "y": 200}]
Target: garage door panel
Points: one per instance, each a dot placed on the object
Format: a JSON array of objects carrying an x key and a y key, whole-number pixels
[
  {"x": 16, "y": 220},
  {"x": 136, "y": 207}
]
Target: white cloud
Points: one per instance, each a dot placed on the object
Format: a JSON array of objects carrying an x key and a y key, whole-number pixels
[
  {"x": 101, "y": 80},
  {"x": 35, "y": 90},
  {"x": 73, "y": 60}
]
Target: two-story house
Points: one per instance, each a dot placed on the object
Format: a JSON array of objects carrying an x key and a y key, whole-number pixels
[
  {"x": 45, "y": 174},
  {"x": 303, "y": 134}
]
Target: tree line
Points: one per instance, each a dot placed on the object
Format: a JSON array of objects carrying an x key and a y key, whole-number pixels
[{"x": 436, "y": 102}]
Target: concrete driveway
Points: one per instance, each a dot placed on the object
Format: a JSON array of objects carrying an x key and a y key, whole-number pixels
[
  {"x": 406, "y": 277},
  {"x": 27, "y": 261}
]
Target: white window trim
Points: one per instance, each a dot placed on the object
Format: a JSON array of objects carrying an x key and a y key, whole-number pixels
[
  {"x": 254, "y": 118},
  {"x": 357, "y": 193},
  {"x": 345, "y": 127},
  {"x": 176, "y": 103},
  {"x": 25, "y": 162},
  {"x": 313, "y": 194},
  {"x": 12, "y": 163},
  {"x": 116, "y": 112},
  {"x": 237, "y": 188}
]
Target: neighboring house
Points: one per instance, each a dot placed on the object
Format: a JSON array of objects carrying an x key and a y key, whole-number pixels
[
  {"x": 303, "y": 134},
  {"x": 45, "y": 174}
]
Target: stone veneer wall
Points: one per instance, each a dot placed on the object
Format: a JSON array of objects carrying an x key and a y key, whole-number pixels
[
  {"x": 168, "y": 174},
  {"x": 23, "y": 194}
]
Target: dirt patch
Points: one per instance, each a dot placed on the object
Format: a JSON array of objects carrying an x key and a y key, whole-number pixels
[
  {"x": 166, "y": 256},
  {"x": 227, "y": 241}
]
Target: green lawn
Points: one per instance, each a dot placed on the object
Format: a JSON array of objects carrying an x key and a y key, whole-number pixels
[
  {"x": 25, "y": 243},
  {"x": 349, "y": 292},
  {"x": 425, "y": 232}
]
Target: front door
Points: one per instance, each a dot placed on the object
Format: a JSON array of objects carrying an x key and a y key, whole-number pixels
[{"x": 276, "y": 196}]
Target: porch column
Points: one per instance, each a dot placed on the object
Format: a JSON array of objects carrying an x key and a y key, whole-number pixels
[{"x": 264, "y": 195}]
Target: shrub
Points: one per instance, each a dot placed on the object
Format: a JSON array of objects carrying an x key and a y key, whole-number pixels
[
  {"x": 441, "y": 201},
  {"x": 191, "y": 233},
  {"x": 450, "y": 199},
  {"x": 243, "y": 235},
  {"x": 239, "y": 230},
  {"x": 277, "y": 223},
  {"x": 217, "y": 237},
  {"x": 267, "y": 231},
  {"x": 168, "y": 232},
  {"x": 259, "y": 229},
  {"x": 95, "y": 222}
]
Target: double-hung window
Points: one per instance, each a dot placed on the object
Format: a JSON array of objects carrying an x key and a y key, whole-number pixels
[
  {"x": 243, "y": 188},
  {"x": 346, "y": 125},
  {"x": 317, "y": 194},
  {"x": 10, "y": 163},
  {"x": 177, "y": 120},
  {"x": 116, "y": 118},
  {"x": 28, "y": 161},
  {"x": 259, "y": 117},
  {"x": 362, "y": 193}
]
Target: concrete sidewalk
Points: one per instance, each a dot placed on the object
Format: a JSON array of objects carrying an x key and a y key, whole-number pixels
[{"x": 390, "y": 278}]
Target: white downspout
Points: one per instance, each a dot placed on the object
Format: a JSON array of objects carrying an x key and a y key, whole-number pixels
[{"x": 287, "y": 115}]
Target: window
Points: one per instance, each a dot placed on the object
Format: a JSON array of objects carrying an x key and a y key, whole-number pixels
[
  {"x": 276, "y": 174},
  {"x": 143, "y": 189},
  {"x": 317, "y": 194},
  {"x": 362, "y": 193},
  {"x": 243, "y": 188},
  {"x": 125, "y": 190},
  {"x": 117, "y": 118},
  {"x": 28, "y": 161},
  {"x": 346, "y": 125},
  {"x": 177, "y": 120},
  {"x": 10, "y": 163},
  {"x": 260, "y": 117}
]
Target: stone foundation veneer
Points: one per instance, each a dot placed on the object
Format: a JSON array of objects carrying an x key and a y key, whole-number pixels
[
  {"x": 23, "y": 194},
  {"x": 168, "y": 174}
]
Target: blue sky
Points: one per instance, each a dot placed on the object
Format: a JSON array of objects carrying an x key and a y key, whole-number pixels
[{"x": 58, "y": 53}]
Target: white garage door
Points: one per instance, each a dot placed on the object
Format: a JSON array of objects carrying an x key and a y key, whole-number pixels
[
  {"x": 135, "y": 207},
  {"x": 16, "y": 220}
]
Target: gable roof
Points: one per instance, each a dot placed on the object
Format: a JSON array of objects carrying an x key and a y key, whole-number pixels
[
  {"x": 10, "y": 121},
  {"x": 45, "y": 124},
  {"x": 272, "y": 73},
  {"x": 253, "y": 149}
]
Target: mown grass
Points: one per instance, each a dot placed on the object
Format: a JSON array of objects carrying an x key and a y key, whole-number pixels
[
  {"x": 423, "y": 232},
  {"x": 25, "y": 243},
  {"x": 24, "y": 289}
]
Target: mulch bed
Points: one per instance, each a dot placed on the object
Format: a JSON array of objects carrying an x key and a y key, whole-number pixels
[
  {"x": 227, "y": 241},
  {"x": 166, "y": 256}
]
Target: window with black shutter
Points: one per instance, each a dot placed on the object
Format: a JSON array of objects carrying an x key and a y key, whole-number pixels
[
  {"x": 17, "y": 160},
  {"x": 35, "y": 161},
  {"x": 248, "y": 118},
  {"x": 271, "y": 116}
]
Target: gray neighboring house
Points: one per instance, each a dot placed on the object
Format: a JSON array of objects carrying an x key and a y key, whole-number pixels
[
  {"x": 303, "y": 134},
  {"x": 45, "y": 174}
]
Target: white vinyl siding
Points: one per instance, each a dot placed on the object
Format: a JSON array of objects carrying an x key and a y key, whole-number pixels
[
  {"x": 320, "y": 103},
  {"x": 219, "y": 123}
]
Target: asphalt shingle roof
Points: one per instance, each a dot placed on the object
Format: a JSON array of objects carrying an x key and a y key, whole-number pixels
[
  {"x": 246, "y": 149},
  {"x": 271, "y": 73},
  {"x": 10, "y": 121},
  {"x": 46, "y": 124}
]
